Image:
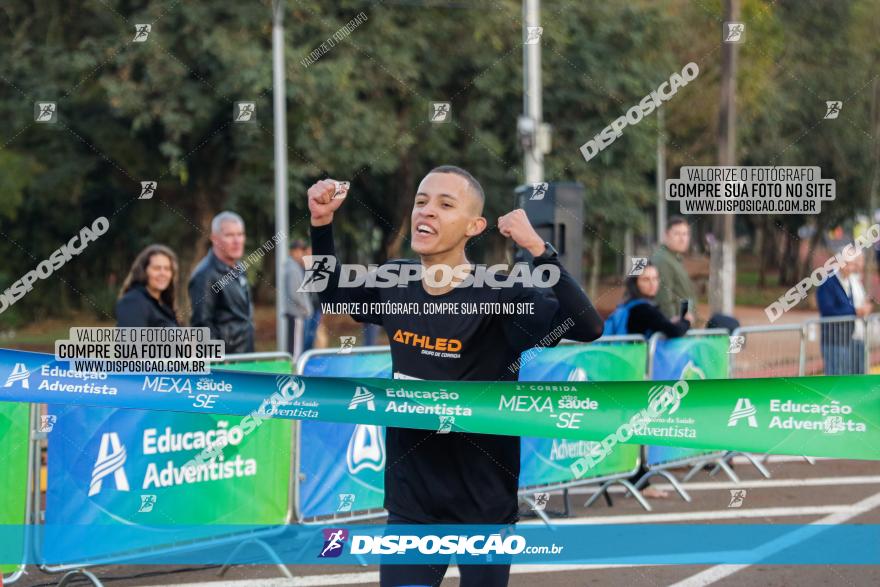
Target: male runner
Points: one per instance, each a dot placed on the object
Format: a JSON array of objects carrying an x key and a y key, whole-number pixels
[{"x": 433, "y": 477}]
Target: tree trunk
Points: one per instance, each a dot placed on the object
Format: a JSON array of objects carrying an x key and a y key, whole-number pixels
[
  {"x": 870, "y": 267},
  {"x": 595, "y": 264},
  {"x": 758, "y": 251},
  {"x": 198, "y": 243},
  {"x": 788, "y": 263},
  {"x": 807, "y": 266},
  {"x": 405, "y": 189},
  {"x": 722, "y": 291}
]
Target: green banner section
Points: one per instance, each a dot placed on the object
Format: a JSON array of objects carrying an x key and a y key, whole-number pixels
[
  {"x": 815, "y": 416},
  {"x": 14, "y": 422},
  {"x": 279, "y": 366},
  {"x": 689, "y": 358},
  {"x": 833, "y": 416}
]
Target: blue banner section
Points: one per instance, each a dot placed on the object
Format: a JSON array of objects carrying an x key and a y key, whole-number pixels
[
  {"x": 109, "y": 466},
  {"x": 703, "y": 544},
  {"x": 37, "y": 377},
  {"x": 547, "y": 461},
  {"x": 343, "y": 465},
  {"x": 692, "y": 357}
]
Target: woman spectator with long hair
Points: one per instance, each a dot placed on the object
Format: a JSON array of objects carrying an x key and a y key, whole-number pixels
[
  {"x": 148, "y": 292},
  {"x": 639, "y": 314}
]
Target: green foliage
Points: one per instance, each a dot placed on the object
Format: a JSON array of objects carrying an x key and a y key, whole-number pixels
[{"x": 161, "y": 110}]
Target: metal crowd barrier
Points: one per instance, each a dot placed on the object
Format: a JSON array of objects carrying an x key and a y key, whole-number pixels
[
  {"x": 872, "y": 344},
  {"x": 605, "y": 481},
  {"x": 240, "y": 540},
  {"x": 32, "y": 478},
  {"x": 299, "y": 475},
  {"x": 825, "y": 344},
  {"x": 694, "y": 458},
  {"x": 279, "y": 357},
  {"x": 766, "y": 351},
  {"x": 835, "y": 346}
]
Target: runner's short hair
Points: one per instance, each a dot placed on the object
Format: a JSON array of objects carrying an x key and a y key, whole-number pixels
[{"x": 472, "y": 181}]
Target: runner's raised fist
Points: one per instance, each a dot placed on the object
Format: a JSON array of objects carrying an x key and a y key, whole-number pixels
[
  {"x": 322, "y": 203},
  {"x": 516, "y": 226}
]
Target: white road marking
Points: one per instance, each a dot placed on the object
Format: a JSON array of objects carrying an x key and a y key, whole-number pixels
[
  {"x": 747, "y": 484},
  {"x": 841, "y": 512},
  {"x": 780, "y": 459},
  {"x": 725, "y": 514},
  {"x": 373, "y": 577},
  {"x": 718, "y": 572},
  {"x": 836, "y": 514}
]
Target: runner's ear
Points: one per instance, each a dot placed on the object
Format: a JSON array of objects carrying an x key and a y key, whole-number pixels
[{"x": 476, "y": 226}]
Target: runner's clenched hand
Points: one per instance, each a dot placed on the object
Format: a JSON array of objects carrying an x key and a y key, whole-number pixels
[
  {"x": 322, "y": 204},
  {"x": 516, "y": 226}
]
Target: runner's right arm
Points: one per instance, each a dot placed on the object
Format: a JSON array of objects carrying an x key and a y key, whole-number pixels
[{"x": 322, "y": 206}]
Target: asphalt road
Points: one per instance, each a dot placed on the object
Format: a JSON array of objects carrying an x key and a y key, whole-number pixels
[{"x": 830, "y": 491}]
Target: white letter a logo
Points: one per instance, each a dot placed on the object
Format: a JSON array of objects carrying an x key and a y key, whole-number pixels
[{"x": 109, "y": 462}]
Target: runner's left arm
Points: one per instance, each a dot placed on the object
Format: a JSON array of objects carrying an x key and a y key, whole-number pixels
[
  {"x": 563, "y": 311},
  {"x": 567, "y": 312}
]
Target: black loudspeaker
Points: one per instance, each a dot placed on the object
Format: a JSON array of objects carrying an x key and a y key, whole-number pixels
[{"x": 556, "y": 210}]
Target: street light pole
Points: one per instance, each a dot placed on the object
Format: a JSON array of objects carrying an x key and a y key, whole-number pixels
[
  {"x": 280, "y": 124},
  {"x": 533, "y": 155}
]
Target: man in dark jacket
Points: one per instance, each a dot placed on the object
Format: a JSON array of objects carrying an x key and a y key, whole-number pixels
[
  {"x": 218, "y": 288},
  {"x": 843, "y": 342}
]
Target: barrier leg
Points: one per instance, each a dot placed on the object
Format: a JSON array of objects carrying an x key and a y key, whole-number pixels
[
  {"x": 545, "y": 513},
  {"x": 635, "y": 493},
  {"x": 15, "y": 576},
  {"x": 69, "y": 577},
  {"x": 766, "y": 458},
  {"x": 539, "y": 513},
  {"x": 696, "y": 468},
  {"x": 721, "y": 464},
  {"x": 758, "y": 464},
  {"x": 669, "y": 477},
  {"x": 284, "y": 570}
]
